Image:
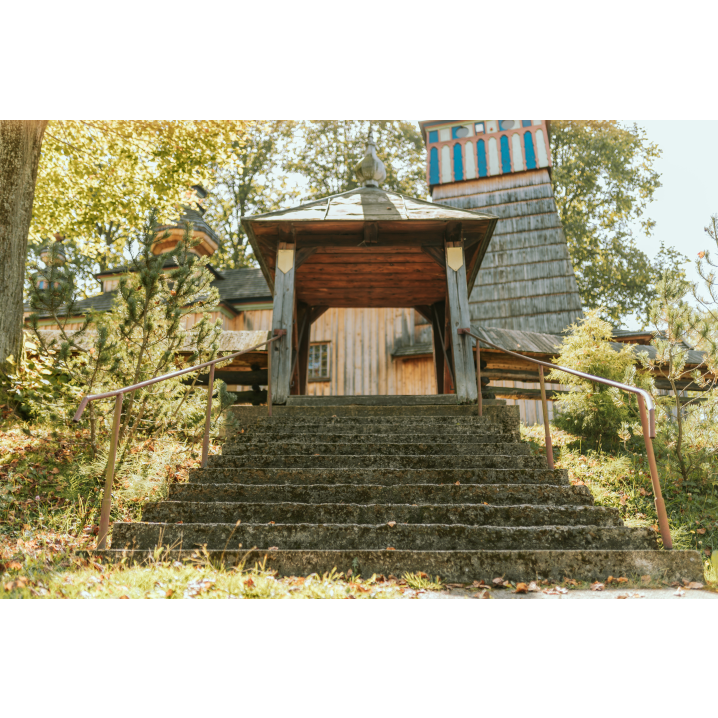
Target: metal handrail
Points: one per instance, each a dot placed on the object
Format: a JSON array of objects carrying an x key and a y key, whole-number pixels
[
  {"x": 119, "y": 395},
  {"x": 648, "y": 420}
]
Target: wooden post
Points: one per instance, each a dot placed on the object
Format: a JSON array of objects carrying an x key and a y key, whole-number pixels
[
  {"x": 437, "y": 330},
  {"x": 546, "y": 425},
  {"x": 282, "y": 319},
  {"x": 459, "y": 318},
  {"x": 449, "y": 381},
  {"x": 305, "y": 328}
]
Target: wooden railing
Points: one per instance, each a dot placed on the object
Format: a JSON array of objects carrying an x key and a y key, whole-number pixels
[
  {"x": 648, "y": 419},
  {"x": 119, "y": 395}
]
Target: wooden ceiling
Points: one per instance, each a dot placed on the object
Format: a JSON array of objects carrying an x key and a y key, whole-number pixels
[{"x": 369, "y": 248}]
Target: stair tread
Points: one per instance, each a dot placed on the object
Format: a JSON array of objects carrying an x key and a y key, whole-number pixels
[{"x": 461, "y": 566}]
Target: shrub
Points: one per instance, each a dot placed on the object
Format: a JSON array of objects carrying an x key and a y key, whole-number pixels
[{"x": 600, "y": 414}]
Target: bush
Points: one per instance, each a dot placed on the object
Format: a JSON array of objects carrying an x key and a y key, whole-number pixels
[{"x": 601, "y": 415}]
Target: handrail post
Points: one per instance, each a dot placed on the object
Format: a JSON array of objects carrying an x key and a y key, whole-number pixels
[
  {"x": 658, "y": 496},
  {"x": 479, "y": 398},
  {"x": 110, "y": 477},
  {"x": 208, "y": 419},
  {"x": 270, "y": 347},
  {"x": 547, "y": 428}
]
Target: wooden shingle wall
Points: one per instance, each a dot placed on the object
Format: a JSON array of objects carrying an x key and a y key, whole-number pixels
[{"x": 526, "y": 280}]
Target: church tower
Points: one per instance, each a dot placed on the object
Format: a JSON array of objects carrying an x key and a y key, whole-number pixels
[{"x": 526, "y": 281}]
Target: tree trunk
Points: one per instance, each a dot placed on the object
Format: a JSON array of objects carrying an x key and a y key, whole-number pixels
[{"x": 20, "y": 143}]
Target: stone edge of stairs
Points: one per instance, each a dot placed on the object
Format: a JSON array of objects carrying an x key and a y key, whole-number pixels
[{"x": 457, "y": 566}]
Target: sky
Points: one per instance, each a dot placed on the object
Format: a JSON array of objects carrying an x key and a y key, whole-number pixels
[{"x": 689, "y": 196}]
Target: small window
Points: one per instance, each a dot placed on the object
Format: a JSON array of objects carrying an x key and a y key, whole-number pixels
[
  {"x": 479, "y": 128},
  {"x": 433, "y": 136},
  {"x": 318, "y": 362}
]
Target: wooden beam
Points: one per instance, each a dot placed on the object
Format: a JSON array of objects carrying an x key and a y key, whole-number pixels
[
  {"x": 459, "y": 318},
  {"x": 436, "y": 316},
  {"x": 282, "y": 320},
  {"x": 305, "y": 313},
  {"x": 317, "y": 312},
  {"x": 303, "y": 255},
  {"x": 424, "y": 311},
  {"x": 436, "y": 253}
]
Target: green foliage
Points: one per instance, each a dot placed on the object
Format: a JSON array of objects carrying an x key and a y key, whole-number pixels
[
  {"x": 141, "y": 337},
  {"x": 98, "y": 179},
  {"x": 602, "y": 415},
  {"x": 327, "y": 151},
  {"x": 33, "y": 387},
  {"x": 253, "y": 183},
  {"x": 604, "y": 179},
  {"x": 687, "y": 426}
]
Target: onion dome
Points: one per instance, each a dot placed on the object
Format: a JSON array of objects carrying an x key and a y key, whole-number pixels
[
  {"x": 370, "y": 171},
  {"x": 53, "y": 254}
]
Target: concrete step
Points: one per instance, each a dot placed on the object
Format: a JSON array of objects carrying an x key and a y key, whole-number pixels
[
  {"x": 476, "y": 423},
  {"x": 415, "y": 537},
  {"x": 492, "y": 432},
  {"x": 330, "y": 436},
  {"x": 463, "y": 566},
  {"x": 375, "y": 449},
  {"x": 366, "y": 461},
  {"x": 494, "y": 494},
  {"x": 228, "y": 473},
  {"x": 492, "y": 412},
  {"x": 190, "y": 512}
]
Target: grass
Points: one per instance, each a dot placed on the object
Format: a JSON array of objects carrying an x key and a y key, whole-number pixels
[
  {"x": 621, "y": 479},
  {"x": 51, "y": 485},
  {"x": 53, "y": 575}
]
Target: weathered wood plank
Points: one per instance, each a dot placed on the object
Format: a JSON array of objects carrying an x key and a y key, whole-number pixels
[
  {"x": 305, "y": 313},
  {"x": 438, "y": 312},
  {"x": 458, "y": 302},
  {"x": 282, "y": 319}
]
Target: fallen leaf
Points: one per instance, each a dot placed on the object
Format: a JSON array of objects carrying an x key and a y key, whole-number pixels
[
  {"x": 169, "y": 593},
  {"x": 631, "y": 595},
  {"x": 521, "y": 588},
  {"x": 645, "y": 579},
  {"x": 623, "y": 499},
  {"x": 12, "y": 566},
  {"x": 622, "y": 579},
  {"x": 598, "y": 586},
  {"x": 533, "y": 587},
  {"x": 249, "y": 582},
  {"x": 421, "y": 574},
  {"x": 55, "y": 471},
  {"x": 700, "y": 531},
  {"x": 679, "y": 593},
  {"x": 458, "y": 483},
  {"x": 694, "y": 585},
  {"x": 273, "y": 548},
  {"x": 555, "y": 591},
  {"x": 482, "y": 594},
  {"x": 390, "y": 548},
  {"x": 478, "y": 584},
  {"x": 271, "y": 523},
  {"x": 391, "y": 524},
  {"x": 570, "y": 581},
  {"x": 127, "y": 597},
  {"x": 19, "y": 582},
  {"x": 498, "y": 582}
]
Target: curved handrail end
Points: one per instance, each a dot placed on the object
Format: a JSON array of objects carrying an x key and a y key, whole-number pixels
[{"x": 80, "y": 409}]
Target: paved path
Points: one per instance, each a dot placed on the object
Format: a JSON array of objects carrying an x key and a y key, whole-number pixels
[{"x": 633, "y": 593}]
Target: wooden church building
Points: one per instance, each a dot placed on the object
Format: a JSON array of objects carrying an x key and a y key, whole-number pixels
[{"x": 369, "y": 270}]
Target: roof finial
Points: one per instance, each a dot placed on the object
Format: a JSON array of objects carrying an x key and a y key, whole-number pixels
[{"x": 371, "y": 171}]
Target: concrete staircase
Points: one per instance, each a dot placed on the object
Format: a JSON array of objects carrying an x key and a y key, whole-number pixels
[{"x": 393, "y": 484}]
